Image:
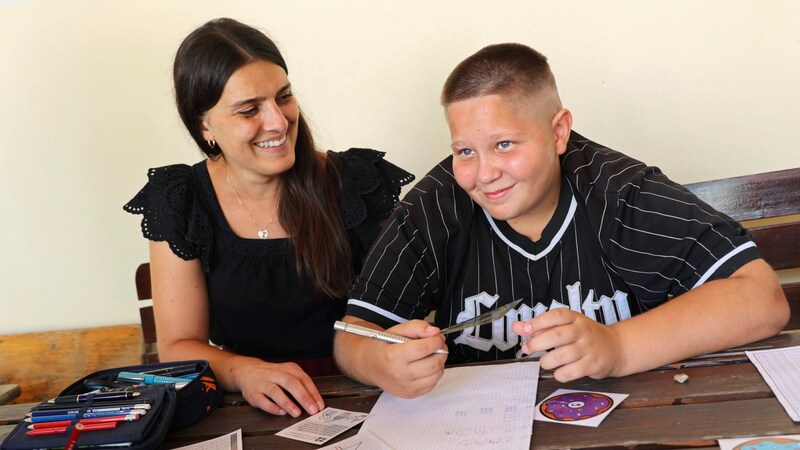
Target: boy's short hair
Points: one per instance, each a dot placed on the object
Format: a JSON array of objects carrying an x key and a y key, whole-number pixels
[{"x": 507, "y": 69}]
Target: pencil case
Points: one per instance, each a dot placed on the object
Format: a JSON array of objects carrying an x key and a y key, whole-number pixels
[{"x": 171, "y": 405}]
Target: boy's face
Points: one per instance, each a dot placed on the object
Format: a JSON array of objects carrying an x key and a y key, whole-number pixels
[{"x": 505, "y": 156}]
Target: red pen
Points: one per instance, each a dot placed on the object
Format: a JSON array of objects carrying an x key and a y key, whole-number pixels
[
  {"x": 54, "y": 424},
  {"x": 62, "y": 430},
  {"x": 46, "y": 431},
  {"x": 73, "y": 438},
  {"x": 125, "y": 418}
]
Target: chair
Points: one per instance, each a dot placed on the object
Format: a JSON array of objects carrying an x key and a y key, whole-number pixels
[
  {"x": 145, "y": 292},
  {"x": 774, "y": 196}
]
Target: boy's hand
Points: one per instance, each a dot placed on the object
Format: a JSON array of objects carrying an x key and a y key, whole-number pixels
[
  {"x": 576, "y": 345},
  {"x": 412, "y": 368}
]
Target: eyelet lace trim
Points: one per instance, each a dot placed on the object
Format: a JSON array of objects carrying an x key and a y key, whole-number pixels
[{"x": 175, "y": 207}]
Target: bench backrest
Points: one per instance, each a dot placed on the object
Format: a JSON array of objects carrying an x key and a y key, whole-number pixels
[
  {"x": 144, "y": 292},
  {"x": 770, "y": 195}
]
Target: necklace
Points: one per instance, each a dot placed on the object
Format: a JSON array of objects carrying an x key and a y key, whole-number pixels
[{"x": 263, "y": 233}]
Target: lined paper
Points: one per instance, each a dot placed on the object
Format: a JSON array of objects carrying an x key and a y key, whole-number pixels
[
  {"x": 480, "y": 407},
  {"x": 780, "y": 368}
]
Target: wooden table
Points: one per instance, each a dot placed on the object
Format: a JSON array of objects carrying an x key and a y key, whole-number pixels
[{"x": 725, "y": 397}]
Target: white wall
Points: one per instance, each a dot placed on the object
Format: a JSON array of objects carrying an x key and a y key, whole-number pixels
[{"x": 704, "y": 89}]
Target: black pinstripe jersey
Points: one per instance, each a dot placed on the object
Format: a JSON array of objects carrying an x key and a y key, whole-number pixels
[{"x": 623, "y": 239}]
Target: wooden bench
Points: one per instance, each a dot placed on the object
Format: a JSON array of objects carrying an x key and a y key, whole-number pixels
[
  {"x": 768, "y": 204},
  {"x": 43, "y": 364},
  {"x": 144, "y": 292},
  {"x": 8, "y": 392}
]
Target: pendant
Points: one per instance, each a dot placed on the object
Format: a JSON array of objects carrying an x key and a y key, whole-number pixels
[{"x": 263, "y": 234}]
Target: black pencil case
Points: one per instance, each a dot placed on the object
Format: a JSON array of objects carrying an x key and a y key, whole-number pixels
[{"x": 169, "y": 408}]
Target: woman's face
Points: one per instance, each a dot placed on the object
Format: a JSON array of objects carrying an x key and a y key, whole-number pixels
[{"x": 255, "y": 120}]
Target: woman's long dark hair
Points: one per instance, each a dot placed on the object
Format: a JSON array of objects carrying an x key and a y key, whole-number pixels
[{"x": 309, "y": 211}]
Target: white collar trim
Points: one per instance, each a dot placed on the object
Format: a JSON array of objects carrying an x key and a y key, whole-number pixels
[{"x": 573, "y": 205}]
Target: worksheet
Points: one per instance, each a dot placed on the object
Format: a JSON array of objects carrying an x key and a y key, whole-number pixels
[
  {"x": 323, "y": 426},
  {"x": 230, "y": 441},
  {"x": 361, "y": 441},
  {"x": 780, "y": 368},
  {"x": 480, "y": 407}
]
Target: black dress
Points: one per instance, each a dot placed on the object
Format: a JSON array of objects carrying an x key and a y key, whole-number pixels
[{"x": 258, "y": 305}]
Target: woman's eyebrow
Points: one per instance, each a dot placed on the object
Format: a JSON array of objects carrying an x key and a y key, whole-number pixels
[{"x": 249, "y": 101}]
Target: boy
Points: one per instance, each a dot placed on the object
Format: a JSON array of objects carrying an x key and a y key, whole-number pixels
[{"x": 620, "y": 270}]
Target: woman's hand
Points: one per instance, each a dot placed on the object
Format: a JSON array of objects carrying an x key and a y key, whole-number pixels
[{"x": 268, "y": 386}]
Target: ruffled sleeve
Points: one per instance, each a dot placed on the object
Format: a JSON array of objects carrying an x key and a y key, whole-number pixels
[
  {"x": 370, "y": 189},
  {"x": 172, "y": 209}
]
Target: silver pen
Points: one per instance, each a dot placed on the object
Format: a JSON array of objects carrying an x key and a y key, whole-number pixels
[{"x": 375, "y": 334}]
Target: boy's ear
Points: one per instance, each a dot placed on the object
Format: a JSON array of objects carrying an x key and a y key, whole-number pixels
[{"x": 562, "y": 126}]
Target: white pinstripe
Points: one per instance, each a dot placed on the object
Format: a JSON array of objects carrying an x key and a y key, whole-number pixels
[{"x": 652, "y": 246}]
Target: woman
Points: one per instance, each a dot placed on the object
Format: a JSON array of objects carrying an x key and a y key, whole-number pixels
[{"x": 253, "y": 248}]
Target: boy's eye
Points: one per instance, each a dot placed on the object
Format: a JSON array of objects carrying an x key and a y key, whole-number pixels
[
  {"x": 465, "y": 151},
  {"x": 503, "y": 145}
]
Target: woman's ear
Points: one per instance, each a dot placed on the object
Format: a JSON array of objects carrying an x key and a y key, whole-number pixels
[
  {"x": 207, "y": 134},
  {"x": 562, "y": 126}
]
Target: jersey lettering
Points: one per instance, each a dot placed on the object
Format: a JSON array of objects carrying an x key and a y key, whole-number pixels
[
  {"x": 501, "y": 335},
  {"x": 606, "y": 310}
]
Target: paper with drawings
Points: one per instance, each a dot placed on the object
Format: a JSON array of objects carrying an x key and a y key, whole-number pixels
[
  {"x": 361, "y": 441},
  {"x": 481, "y": 407}
]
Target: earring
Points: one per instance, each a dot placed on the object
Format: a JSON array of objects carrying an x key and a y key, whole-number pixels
[{"x": 212, "y": 143}]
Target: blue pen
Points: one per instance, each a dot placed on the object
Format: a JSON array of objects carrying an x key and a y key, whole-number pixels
[
  {"x": 145, "y": 378},
  {"x": 130, "y": 412},
  {"x": 60, "y": 417},
  {"x": 55, "y": 412},
  {"x": 53, "y": 418}
]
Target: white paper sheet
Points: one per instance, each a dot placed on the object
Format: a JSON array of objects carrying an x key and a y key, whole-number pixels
[
  {"x": 480, "y": 407},
  {"x": 230, "y": 441},
  {"x": 323, "y": 426},
  {"x": 780, "y": 368},
  {"x": 362, "y": 441}
]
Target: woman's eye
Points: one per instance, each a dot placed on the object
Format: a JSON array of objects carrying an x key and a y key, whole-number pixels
[
  {"x": 284, "y": 98},
  {"x": 249, "y": 112},
  {"x": 504, "y": 145}
]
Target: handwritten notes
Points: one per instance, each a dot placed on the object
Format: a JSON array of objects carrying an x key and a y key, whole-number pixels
[
  {"x": 780, "y": 368},
  {"x": 361, "y": 441},
  {"x": 481, "y": 407}
]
